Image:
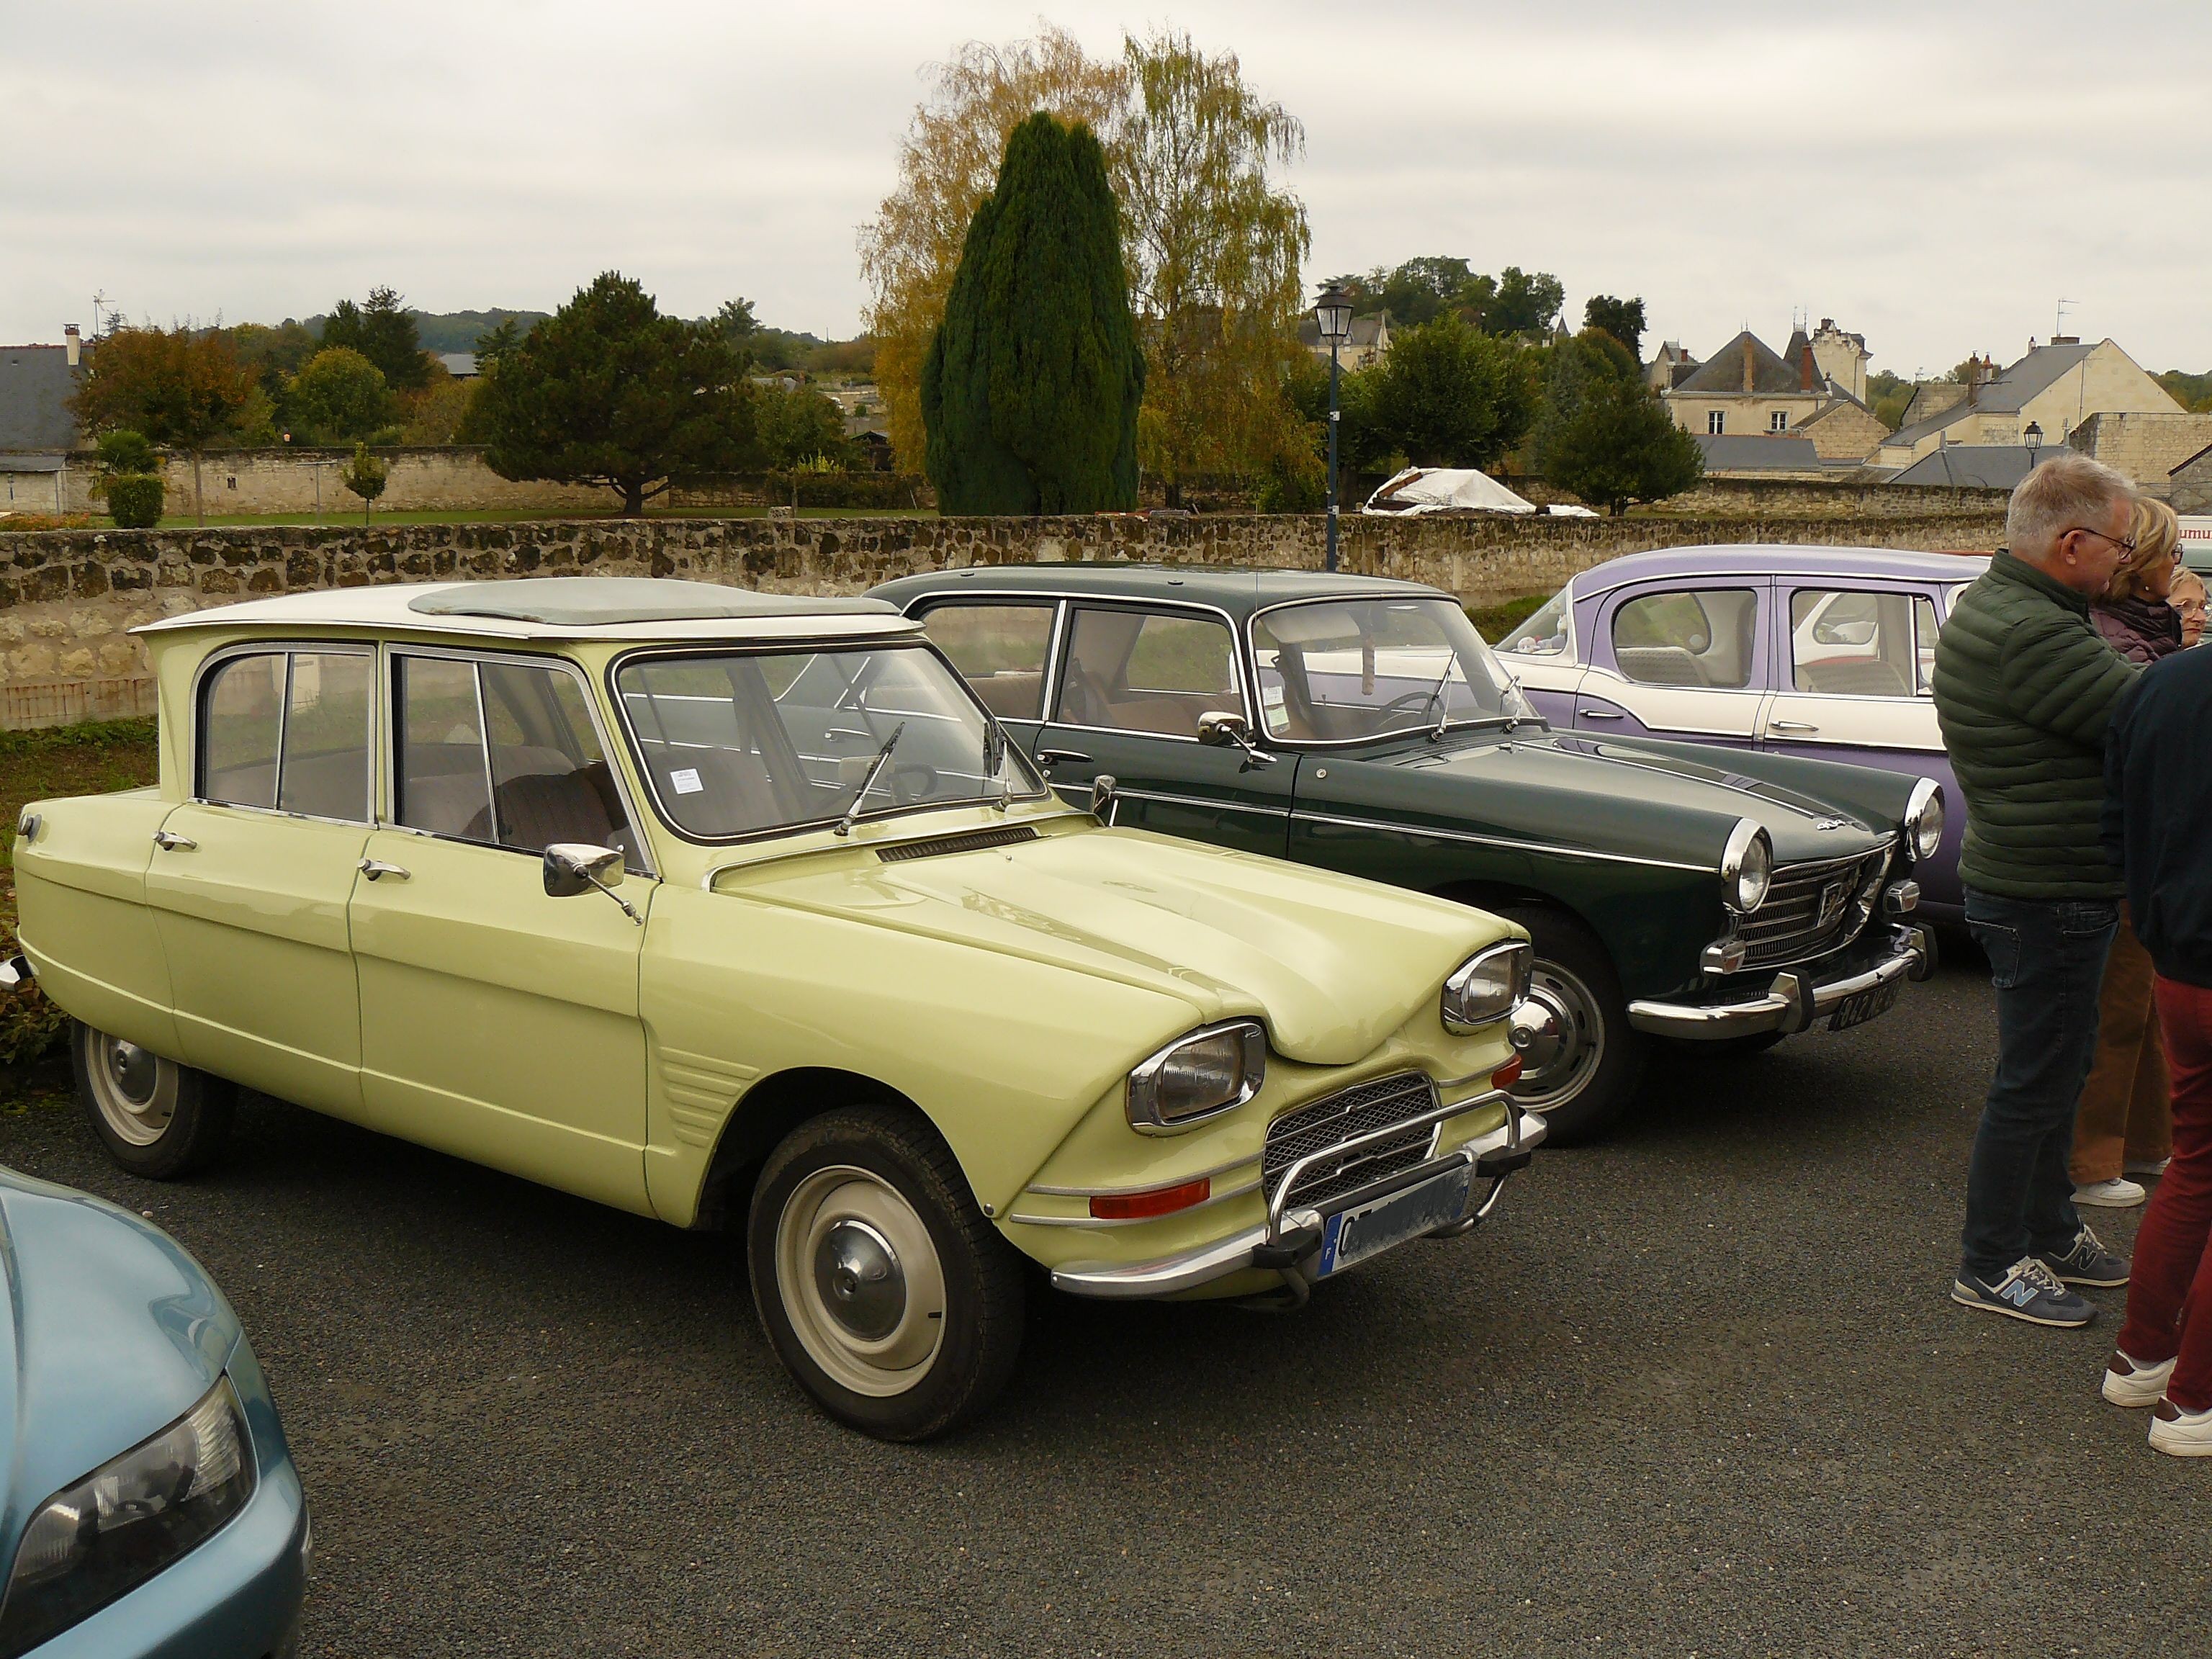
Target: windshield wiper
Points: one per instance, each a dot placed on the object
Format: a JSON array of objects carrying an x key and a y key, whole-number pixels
[
  {"x": 844, "y": 825},
  {"x": 1437, "y": 699}
]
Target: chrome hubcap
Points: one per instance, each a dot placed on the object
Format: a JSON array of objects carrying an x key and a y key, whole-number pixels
[
  {"x": 859, "y": 1279},
  {"x": 133, "y": 1089},
  {"x": 857, "y": 1274},
  {"x": 1559, "y": 1035},
  {"x": 135, "y": 1070}
]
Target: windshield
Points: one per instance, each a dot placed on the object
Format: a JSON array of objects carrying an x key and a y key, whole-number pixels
[
  {"x": 1341, "y": 670},
  {"x": 745, "y": 744}
]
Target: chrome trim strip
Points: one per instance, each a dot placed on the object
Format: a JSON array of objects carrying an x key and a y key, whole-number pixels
[
  {"x": 1713, "y": 1021},
  {"x": 1497, "y": 841},
  {"x": 1200, "y": 801}
]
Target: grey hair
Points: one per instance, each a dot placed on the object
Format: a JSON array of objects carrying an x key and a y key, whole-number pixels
[{"x": 2067, "y": 492}]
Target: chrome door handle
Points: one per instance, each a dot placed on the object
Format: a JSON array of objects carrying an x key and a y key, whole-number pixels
[
  {"x": 1046, "y": 757},
  {"x": 1792, "y": 725},
  {"x": 170, "y": 842},
  {"x": 1599, "y": 714},
  {"x": 373, "y": 868}
]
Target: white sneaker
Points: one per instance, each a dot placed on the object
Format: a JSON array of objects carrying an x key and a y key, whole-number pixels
[
  {"x": 2178, "y": 1433},
  {"x": 2118, "y": 1193},
  {"x": 2127, "y": 1384},
  {"x": 2145, "y": 1167}
]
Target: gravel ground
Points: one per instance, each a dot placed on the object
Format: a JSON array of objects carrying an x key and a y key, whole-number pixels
[{"x": 1697, "y": 1391}]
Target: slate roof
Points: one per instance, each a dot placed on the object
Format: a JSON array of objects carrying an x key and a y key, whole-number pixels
[
  {"x": 36, "y": 385},
  {"x": 2176, "y": 472},
  {"x": 1723, "y": 371},
  {"x": 2014, "y": 385},
  {"x": 1363, "y": 336},
  {"x": 1973, "y": 466},
  {"x": 1753, "y": 451}
]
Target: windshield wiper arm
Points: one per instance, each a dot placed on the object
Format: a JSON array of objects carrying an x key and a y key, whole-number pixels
[
  {"x": 1437, "y": 699},
  {"x": 844, "y": 825}
]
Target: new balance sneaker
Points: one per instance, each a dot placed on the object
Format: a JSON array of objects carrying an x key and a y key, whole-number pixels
[
  {"x": 2133, "y": 1385},
  {"x": 2178, "y": 1433},
  {"x": 2086, "y": 1262},
  {"x": 2118, "y": 1193},
  {"x": 2028, "y": 1291},
  {"x": 2143, "y": 1166}
]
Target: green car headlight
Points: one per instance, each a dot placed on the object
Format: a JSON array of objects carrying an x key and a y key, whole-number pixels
[
  {"x": 92, "y": 1542},
  {"x": 1210, "y": 1071},
  {"x": 1485, "y": 986},
  {"x": 1746, "y": 867},
  {"x": 1923, "y": 820}
]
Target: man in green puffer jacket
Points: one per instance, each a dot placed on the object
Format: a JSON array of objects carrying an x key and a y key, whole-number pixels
[{"x": 2024, "y": 686}]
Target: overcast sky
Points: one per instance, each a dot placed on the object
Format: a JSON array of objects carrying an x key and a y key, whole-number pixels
[{"x": 1936, "y": 175}]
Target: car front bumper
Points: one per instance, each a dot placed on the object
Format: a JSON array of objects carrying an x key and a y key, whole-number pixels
[
  {"x": 1795, "y": 1001},
  {"x": 1291, "y": 1239}
]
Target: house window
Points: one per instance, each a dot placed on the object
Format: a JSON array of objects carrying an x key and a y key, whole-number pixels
[
  {"x": 1715, "y": 422},
  {"x": 1778, "y": 420}
]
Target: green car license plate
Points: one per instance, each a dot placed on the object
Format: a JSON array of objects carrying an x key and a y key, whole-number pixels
[
  {"x": 1354, "y": 1235},
  {"x": 1863, "y": 1006}
]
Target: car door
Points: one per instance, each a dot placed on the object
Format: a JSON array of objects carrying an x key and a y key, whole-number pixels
[
  {"x": 1132, "y": 683},
  {"x": 498, "y": 1023},
  {"x": 250, "y": 879},
  {"x": 1672, "y": 661}
]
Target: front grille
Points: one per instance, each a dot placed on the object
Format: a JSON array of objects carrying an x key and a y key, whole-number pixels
[
  {"x": 1812, "y": 909},
  {"x": 974, "y": 840},
  {"x": 1340, "y": 1117}
]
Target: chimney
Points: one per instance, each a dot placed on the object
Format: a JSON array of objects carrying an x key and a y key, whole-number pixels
[
  {"x": 73, "y": 343},
  {"x": 1750, "y": 366},
  {"x": 1805, "y": 372}
]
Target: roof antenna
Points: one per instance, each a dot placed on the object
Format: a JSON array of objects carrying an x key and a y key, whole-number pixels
[{"x": 2064, "y": 306}]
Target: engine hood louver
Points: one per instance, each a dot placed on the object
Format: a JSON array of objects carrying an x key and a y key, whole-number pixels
[{"x": 974, "y": 842}]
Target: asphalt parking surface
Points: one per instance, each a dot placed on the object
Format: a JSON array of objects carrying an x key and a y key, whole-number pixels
[{"x": 1697, "y": 1391}]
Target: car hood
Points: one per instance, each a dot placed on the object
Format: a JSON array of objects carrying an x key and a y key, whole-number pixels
[
  {"x": 1333, "y": 964},
  {"x": 112, "y": 1332},
  {"x": 1610, "y": 796}
]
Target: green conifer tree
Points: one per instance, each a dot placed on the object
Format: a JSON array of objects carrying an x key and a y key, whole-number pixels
[{"x": 1031, "y": 389}]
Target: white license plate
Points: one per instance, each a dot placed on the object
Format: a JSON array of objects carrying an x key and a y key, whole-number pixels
[{"x": 1356, "y": 1234}]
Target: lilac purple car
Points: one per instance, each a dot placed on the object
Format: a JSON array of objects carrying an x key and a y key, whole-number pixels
[{"x": 1818, "y": 650}]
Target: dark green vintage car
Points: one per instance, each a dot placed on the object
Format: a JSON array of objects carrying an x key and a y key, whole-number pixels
[{"x": 1673, "y": 891}]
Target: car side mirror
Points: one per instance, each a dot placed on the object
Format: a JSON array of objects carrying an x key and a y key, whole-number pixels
[
  {"x": 573, "y": 868},
  {"x": 1221, "y": 729}
]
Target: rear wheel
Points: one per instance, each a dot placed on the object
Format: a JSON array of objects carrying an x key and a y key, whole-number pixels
[
  {"x": 156, "y": 1118},
  {"x": 1580, "y": 1059},
  {"x": 882, "y": 1288}
]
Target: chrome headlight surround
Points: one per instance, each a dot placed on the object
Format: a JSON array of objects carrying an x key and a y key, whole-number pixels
[
  {"x": 1202, "y": 1074},
  {"x": 1485, "y": 986},
  {"x": 1746, "y": 867},
  {"x": 101, "y": 1537},
  {"x": 1923, "y": 820}
]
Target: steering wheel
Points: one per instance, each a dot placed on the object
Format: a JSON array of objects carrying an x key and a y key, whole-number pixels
[{"x": 1421, "y": 700}]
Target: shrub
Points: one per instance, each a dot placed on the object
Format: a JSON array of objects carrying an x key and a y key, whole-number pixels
[
  {"x": 125, "y": 450},
  {"x": 135, "y": 500}
]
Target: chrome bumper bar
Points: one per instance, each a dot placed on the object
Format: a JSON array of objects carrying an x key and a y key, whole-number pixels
[
  {"x": 1791, "y": 1003},
  {"x": 1292, "y": 1237}
]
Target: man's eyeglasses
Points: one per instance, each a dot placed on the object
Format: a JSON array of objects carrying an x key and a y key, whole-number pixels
[{"x": 2125, "y": 543}]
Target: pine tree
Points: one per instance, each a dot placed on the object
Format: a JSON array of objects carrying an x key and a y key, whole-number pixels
[{"x": 1031, "y": 389}]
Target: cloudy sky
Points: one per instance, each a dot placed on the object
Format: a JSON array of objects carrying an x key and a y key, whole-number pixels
[{"x": 1936, "y": 175}]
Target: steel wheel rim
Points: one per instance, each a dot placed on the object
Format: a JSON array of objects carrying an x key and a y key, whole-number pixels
[
  {"x": 1575, "y": 1027},
  {"x": 861, "y": 1281},
  {"x": 134, "y": 1088}
]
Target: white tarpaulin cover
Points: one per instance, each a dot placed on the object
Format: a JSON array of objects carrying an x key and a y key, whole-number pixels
[{"x": 1440, "y": 489}]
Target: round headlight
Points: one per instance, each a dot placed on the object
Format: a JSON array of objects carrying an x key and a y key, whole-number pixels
[
  {"x": 1196, "y": 1075},
  {"x": 1486, "y": 986},
  {"x": 1923, "y": 819},
  {"x": 1746, "y": 866}
]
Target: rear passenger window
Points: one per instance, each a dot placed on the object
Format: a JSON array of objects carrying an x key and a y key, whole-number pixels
[
  {"x": 1703, "y": 639},
  {"x": 1855, "y": 644},
  {"x": 999, "y": 650},
  {"x": 1135, "y": 670},
  {"x": 288, "y": 730}
]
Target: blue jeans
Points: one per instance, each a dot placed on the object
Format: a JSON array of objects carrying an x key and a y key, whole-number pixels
[{"x": 2047, "y": 962}]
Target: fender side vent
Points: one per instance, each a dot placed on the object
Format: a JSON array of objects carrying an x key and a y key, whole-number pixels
[{"x": 974, "y": 842}]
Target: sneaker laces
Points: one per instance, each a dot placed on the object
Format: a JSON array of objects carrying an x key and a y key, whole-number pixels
[
  {"x": 2033, "y": 1271},
  {"x": 2086, "y": 1236}
]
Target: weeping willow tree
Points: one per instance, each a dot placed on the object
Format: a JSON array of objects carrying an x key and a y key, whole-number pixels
[{"x": 1030, "y": 392}]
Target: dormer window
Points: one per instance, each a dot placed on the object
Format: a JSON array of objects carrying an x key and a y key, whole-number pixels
[{"x": 1778, "y": 420}]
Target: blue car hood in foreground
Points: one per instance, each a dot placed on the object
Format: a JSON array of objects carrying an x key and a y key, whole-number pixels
[{"x": 111, "y": 1333}]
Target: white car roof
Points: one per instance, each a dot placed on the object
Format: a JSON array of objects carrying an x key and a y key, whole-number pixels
[{"x": 562, "y": 608}]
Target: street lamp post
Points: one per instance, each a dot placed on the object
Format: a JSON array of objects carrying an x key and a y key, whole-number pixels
[
  {"x": 1333, "y": 315},
  {"x": 2033, "y": 438}
]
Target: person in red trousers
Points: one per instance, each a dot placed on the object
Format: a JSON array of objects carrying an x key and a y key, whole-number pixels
[{"x": 2158, "y": 778}]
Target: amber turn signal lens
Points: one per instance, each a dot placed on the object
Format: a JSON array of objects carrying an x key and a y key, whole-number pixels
[
  {"x": 1161, "y": 1200},
  {"x": 1506, "y": 1075}
]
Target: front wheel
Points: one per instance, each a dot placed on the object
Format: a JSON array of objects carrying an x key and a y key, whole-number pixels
[
  {"x": 157, "y": 1118},
  {"x": 1580, "y": 1058},
  {"x": 882, "y": 1288}
]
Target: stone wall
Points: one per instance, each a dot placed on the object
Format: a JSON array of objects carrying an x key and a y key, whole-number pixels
[
  {"x": 67, "y": 598},
  {"x": 1769, "y": 498},
  {"x": 2146, "y": 448}
]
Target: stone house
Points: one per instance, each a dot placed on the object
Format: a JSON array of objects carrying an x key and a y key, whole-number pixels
[
  {"x": 1368, "y": 344},
  {"x": 37, "y": 429},
  {"x": 2148, "y": 448},
  {"x": 1746, "y": 389},
  {"x": 1669, "y": 366},
  {"x": 2189, "y": 486},
  {"x": 2055, "y": 388}
]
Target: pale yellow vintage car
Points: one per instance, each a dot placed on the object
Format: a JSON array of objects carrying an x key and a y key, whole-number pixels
[{"x": 739, "y": 911}]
